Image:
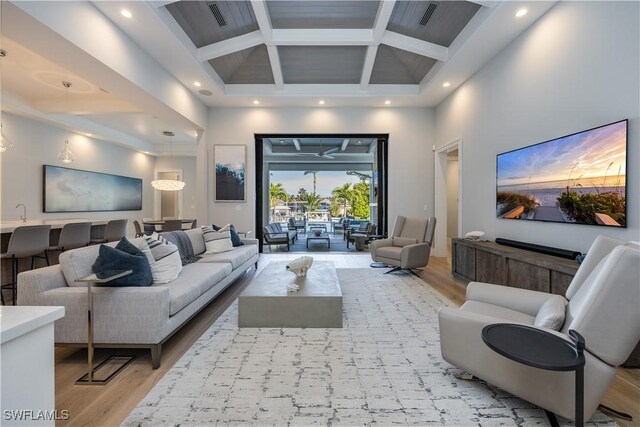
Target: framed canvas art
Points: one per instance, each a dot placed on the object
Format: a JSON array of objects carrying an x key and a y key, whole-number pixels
[
  {"x": 230, "y": 167},
  {"x": 75, "y": 190}
]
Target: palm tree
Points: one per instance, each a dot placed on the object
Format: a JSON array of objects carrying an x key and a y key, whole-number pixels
[
  {"x": 343, "y": 194},
  {"x": 313, "y": 202},
  {"x": 314, "y": 179},
  {"x": 276, "y": 191}
]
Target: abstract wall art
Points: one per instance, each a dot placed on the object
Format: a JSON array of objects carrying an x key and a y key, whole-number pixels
[
  {"x": 74, "y": 190},
  {"x": 230, "y": 166}
]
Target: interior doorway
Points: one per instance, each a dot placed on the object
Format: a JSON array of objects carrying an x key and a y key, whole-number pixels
[
  {"x": 448, "y": 203},
  {"x": 168, "y": 204}
]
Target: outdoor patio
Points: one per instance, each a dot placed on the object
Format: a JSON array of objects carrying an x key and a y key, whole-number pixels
[{"x": 337, "y": 243}]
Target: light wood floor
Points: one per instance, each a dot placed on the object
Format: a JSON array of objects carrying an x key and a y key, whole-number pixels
[{"x": 109, "y": 405}]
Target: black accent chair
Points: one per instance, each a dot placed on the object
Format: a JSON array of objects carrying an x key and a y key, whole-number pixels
[
  {"x": 371, "y": 230},
  {"x": 360, "y": 228},
  {"x": 274, "y": 237},
  {"x": 298, "y": 224}
]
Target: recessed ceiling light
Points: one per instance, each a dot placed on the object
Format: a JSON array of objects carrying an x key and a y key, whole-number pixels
[
  {"x": 197, "y": 84},
  {"x": 521, "y": 13},
  {"x": 359, "y": 141},
  {"x": 387, "y": 102},
  {"x": 256, "y": 102},
  {"x": 205, "y": 92},
  {"x": 282, "y": 141},
  {"x": 321, "y": 102},
  {"x": 446, "y": 84},
  {"x": 126, "y": 13}
]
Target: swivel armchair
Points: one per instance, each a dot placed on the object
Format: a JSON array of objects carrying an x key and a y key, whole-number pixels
[
  {"x": 602, "y": 304},
  {"x": 409, "y": 246}
]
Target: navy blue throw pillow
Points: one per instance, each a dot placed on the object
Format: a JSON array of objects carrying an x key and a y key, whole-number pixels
[
  {"x": 125, "y": 245},
  {"x": 113, "y": 259},
  {"x": 235, "y": 238}
]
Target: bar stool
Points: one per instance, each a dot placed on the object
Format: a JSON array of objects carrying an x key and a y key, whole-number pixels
[
  {"x": 172, "y": 225},
  {"x": 28, "y": 241},
  {"x": 138, "y": 228},
  {"x": 115, "y": 230},
  {"x": 73, "y": 235}
]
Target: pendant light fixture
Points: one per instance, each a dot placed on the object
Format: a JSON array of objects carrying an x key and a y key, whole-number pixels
[
  {"x": 66, "y": 156},
  {"x": 168, "y": 184}
]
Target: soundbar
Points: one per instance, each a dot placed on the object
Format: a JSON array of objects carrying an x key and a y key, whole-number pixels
[{"x": 548, "y": 250}]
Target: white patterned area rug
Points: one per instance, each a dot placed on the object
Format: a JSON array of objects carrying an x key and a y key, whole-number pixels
[{"x": 383, "y": 367}]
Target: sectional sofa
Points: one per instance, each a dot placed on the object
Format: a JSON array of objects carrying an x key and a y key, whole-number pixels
[{"x": 132, "y": 317}]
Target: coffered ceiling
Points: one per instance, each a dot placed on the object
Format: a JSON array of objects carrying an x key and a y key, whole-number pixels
[
  {"x": 163, "y": 62},
  {"x": 322, "y": 42}
]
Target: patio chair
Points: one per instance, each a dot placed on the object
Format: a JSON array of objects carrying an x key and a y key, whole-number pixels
[
  {"x": 274, "y": 237},
  {"x": 360, "y": 228},
  {"x": 371, "y": 230}
]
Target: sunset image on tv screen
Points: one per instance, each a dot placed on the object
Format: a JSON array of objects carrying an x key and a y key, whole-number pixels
[{"x": 579, "y": 178}]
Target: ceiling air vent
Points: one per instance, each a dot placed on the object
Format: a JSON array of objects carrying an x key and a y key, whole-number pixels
[
  {"x": 217, "y": 14},
  {"x": 428, "y": 13}
]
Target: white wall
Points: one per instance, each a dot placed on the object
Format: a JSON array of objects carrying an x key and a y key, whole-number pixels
[
  {"x": 452, "y": 197},
  {"x": 411, "y": 176},
  {"x": 576, "y": 68},
  {"x": 36, "y": 143},
  {"x": 189, "y": 193}
]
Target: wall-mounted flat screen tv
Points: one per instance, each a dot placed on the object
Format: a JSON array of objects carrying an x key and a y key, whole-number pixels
[
  {"x": 74, "y": 190},
  {"x": 576, "y": 179}
]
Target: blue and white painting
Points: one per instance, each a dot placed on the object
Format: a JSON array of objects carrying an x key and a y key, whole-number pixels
[
  {"x": 74, "y": 190},
  {"x": 230, "y": 172}
]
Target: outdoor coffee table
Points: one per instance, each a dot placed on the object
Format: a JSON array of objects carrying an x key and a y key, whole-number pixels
[
  {"x": 321, "y": 236},
  {"x": 322, "y": 227},
  {"x": 266, "y": 303}
]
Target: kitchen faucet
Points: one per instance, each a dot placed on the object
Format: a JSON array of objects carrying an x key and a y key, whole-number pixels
[{"x": 23, "y": 217}]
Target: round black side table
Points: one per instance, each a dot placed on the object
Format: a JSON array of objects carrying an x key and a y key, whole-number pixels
[{"x": 540, "y": 349}]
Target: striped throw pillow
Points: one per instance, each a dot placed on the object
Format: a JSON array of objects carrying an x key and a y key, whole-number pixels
[
  {"x": 216, "y": 241},
  {"x": 164, "y": 258}
]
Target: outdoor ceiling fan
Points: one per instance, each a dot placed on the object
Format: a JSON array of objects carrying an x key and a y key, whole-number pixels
[{"x": 324, "y": 154}]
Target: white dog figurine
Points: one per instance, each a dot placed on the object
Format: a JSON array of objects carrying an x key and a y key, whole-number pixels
[{"x": 300, "y": 266}]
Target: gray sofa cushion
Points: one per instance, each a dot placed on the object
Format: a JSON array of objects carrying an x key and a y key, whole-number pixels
[
  {"x": 236, "y": 257},
  {"x": 193, "y": 281},
  {"x": 197, "y": 241}
]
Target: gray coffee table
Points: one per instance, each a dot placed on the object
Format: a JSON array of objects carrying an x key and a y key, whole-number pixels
[{"x": 265, "y": 303}]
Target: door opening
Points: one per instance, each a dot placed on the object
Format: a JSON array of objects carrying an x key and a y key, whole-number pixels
[{"x": 448, "y": 203}]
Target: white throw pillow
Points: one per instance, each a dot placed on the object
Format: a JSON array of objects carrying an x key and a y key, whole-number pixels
[
  {"x": 216, "y": 241},
  {"x": 164, "y": 258},
  {"x": 551, "y": 313}
]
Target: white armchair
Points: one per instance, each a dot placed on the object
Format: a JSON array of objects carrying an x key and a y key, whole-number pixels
[
  {"x": 602, "y": 304},
  {"x": 409, "y": 245}
]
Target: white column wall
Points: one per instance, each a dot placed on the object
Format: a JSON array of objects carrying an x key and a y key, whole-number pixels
[{"x": 411, "y": 176}]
